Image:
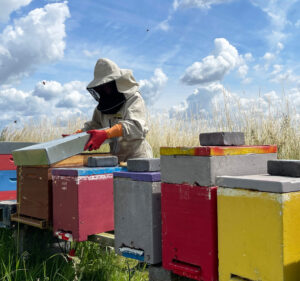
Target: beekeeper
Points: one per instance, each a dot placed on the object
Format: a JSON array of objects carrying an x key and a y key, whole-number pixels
[{"x": 121, "y": 109}]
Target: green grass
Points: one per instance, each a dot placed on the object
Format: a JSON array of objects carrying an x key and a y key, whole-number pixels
[{"x": 38, "y": 262}]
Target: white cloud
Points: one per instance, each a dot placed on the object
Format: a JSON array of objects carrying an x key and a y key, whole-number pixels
[
  {"x": 214, "y": 67},
  {"x": 9, "y": 6},
  {"x": 90, "y": 54},
  {"x": 277, "y": 11},
  {"x": 210, "y": 101},
  {"x": 297, "y": 24},
  {"x": 151, "y": 88},
  {"x": 248, "y": 57},
  {"x": 276, "y": 69},
  {"x": 164, "y": 25},
  {"x": 33, "y": 40},
  {"x": 202, "y": 4},
  {"x": 49, "y": 98},
  {"x": 285, "y": 77},
  {"x": 199, "y": 103}
]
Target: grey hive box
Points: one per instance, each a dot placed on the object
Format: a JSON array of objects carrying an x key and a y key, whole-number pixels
[
  {"x": 7, "y": 147},
  {"x": 138, "y": 217},
  {"x": 289, "y": 168},
  {"x": 203, "y": 170},
  {"x": 266, "y": 183},
  {"x": 50, "y": 152},
  {"x": 222, "y": 138}
]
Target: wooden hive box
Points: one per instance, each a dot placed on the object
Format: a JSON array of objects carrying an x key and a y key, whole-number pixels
[
  {"x": 83, "y": 201},
  {"x": 34, "y": 190}
]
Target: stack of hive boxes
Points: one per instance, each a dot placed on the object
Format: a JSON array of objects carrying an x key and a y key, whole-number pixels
[
  {"x": 8, "y": 176},
  {"x": 34, "y": 178},
  {"x": 83, "y": 201},
  {"x": 8, "y": 181},
  {"x": 138, "y": 211},
  {"x": 259, "y": 224},
  {"x": 189, "y": 198}
]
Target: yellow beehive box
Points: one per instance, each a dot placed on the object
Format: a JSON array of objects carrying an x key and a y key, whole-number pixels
[{"x": 259, "y": 228}]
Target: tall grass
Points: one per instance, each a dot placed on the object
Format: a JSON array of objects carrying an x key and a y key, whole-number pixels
[{"x": 278, "y": 125}]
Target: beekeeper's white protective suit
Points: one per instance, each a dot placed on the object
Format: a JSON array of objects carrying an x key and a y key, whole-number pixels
[{"x": 132, "y": 115}]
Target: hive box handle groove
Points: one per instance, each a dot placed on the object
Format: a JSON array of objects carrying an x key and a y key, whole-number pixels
[
  {"x": 234, "y": 277},
  {"x": 179, "y": 267}
]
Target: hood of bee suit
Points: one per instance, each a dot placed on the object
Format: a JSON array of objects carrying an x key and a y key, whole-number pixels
[{"x": 106, "y": 71}]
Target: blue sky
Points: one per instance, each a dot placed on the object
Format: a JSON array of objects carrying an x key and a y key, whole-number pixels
[{"x": 181, "y": 52}]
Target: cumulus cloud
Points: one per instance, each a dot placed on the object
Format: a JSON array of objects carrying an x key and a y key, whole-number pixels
[
  {"x": 214, "y": 67},
  {"x": 151, "y": 88},
  {"x": 49, "y": 98},
  {"x": 210, "y": 101},
  {"x": 199, "y": 103},
  {"x": 33, "y": 40},
  {"x": 9, "y": 6},
  {"x": 202, "y": 4}
]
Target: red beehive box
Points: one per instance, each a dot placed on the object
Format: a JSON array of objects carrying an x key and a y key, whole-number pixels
[
  {"x": 83, "y": 201},
  {"x": 189, "y": 230},
  {"x": 7, "y": 162}
]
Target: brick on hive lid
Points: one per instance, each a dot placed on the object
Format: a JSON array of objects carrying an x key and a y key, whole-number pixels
[
  {"x": 222, "y": 138},
  {"x": 288, "y": 168},
  {"x": 102, "y": 161},
  {"x": 143, "y": 165}
]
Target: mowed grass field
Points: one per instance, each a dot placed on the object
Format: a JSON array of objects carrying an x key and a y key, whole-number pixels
[{"x": 280, "y": 126}]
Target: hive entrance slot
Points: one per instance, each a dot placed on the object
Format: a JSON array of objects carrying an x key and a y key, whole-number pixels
[{"x": 234, "y": 277}]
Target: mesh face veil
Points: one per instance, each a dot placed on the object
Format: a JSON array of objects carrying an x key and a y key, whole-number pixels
[{"x": 94, "y": 93}]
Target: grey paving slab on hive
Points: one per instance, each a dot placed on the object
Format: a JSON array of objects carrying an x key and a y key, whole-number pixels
[
  {"x": 203, "y": 170},
  {"x": 138, "y": 217},
  {"x": 267, "y": 183},
  {"x": 143, "y": 165},
  {"x": 50, "y": 152},
  {"x": 102, "y": 161},
  {"x": 7, "y": 147},
  {"x": 289, "y": 168},
  {"x": 222, "y": 138}
]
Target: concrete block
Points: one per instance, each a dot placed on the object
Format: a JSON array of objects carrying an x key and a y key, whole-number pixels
[
  {"x": 86, "y": 171},
  {"x": 267, "y": 183},
  {"x": 136, "y": 176},
  {"x": 8, "y": 180},
  {"x": 6, "y": 209},
  {"x": 219, "y": 150},
  {"x": 105, "y": 161},
  {"x": 204, "y": 170},
  {"x": 50, "y": 152},
  {"x": 138, "y": 217},
  {"x": 222, "y": 138},
  {"x": 289, "y": 168},
  {"x": 143, "y": 165},
  {"x": 258, "y": 234},
  {"x": 158, "y": 273},
  {"x": 7, "y": 147}
]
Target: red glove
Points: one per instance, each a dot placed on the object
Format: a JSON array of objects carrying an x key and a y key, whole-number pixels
[{"x": 96, "y": 139}]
